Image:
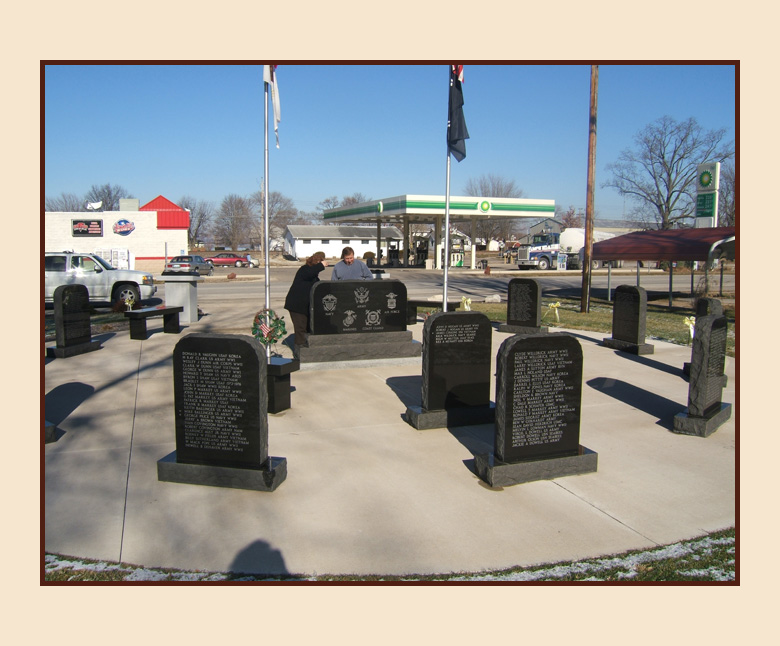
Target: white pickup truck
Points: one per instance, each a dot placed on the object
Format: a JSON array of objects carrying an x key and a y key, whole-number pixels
[{"x": 104, "y": 283}]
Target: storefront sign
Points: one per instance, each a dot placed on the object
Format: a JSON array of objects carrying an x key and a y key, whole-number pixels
[
  {"x": 124, "y": 227},
  {"x": 93, "y": 228}
]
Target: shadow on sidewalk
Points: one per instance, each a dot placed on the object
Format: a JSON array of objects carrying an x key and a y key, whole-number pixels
[
  {"x": 650, "y": 403},
  {"x": 259, "y": 558}
]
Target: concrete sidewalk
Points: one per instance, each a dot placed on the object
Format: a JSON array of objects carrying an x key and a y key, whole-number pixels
[{"x": 366, "y": 493}]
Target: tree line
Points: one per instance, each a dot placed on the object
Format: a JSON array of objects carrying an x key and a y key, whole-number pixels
[{"x": 658, "y": 175}]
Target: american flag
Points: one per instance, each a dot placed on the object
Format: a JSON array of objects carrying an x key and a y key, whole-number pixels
[{"x": 265, "y": 329}]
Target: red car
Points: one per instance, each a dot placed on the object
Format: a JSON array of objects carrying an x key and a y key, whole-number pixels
[{"x": 228, "y": 259}]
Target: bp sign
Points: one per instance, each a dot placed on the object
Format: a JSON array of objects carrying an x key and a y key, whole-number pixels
[{"x": 707, "y": 181}]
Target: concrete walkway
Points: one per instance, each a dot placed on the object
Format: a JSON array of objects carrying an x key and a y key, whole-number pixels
[{"x": 365, "y": 492}]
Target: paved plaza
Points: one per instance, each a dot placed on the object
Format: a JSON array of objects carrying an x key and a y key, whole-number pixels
[{"x": 366, "y": 493}]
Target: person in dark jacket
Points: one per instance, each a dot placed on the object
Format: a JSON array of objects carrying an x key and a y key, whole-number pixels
[{"x": 297, "y": 301}]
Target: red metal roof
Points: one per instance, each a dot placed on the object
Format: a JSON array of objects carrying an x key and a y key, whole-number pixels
[
  {"x": 671, "y": 244},
  {"x": 169, "y": 215}
]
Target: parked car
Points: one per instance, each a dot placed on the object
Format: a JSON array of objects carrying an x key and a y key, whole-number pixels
[
  {"x": 105, "y": 283},
  {"x": 189, "y": 264},
  {"x": 227, "y": 259}
]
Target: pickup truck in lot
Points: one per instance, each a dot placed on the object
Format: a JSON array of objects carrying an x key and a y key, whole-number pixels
[{"x": 104, "y": 283}]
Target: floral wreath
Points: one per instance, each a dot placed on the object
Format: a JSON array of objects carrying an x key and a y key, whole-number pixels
[{"x": 268, "y": 332}]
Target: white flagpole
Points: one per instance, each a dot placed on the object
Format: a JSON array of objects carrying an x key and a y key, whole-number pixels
[
  {"x": 446, "y": 236},
  {"x": 447, "y": 214},
  {"x": 265, "y": 221}
]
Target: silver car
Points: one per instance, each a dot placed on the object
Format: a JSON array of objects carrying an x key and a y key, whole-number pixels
[{"x": 189, "y": 264}]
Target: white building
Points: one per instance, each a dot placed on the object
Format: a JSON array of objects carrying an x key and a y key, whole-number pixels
[
  {"x": 132, "y": 238},
  {"x": 302, "y": 240}
]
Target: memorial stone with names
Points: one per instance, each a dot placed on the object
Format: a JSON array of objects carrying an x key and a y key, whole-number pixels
[
  {"x": 221, "y": 399},
  {"x": 706, "y": 412},
  {"x": 72, "y": 326},
  {"x": 629, "y": 321},
  {"x": 358, "y": 320},
  {"x": 538, "y": 403},
  {"x": 706, "y": 306},
  {"x": 523, "y": 307},
  {"x": 456, "y": 373}
]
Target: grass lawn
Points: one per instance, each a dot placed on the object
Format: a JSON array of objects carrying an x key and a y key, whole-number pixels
[{"x": 663, "y": 323}]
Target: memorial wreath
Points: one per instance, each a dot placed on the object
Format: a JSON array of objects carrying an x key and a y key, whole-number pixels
[{"x": 267, "y": 327}]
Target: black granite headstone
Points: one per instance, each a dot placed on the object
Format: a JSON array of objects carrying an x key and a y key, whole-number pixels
[
  {"x": 354, "y": 320},
  {"x": 629, "y": 321},
  {"x": 456, "y": 376},
  {"x": 456, "y": 360},
  {"x": 221, "y": 398},
  {"x": 73, "y": 332},
  {"x": 523, "y": 307},
  {"x": 706, "y": 306},
  {"x": 538, "y": 403},
  {"x": 358, "y": 306},
  {"x": 706, "y": 412},
  {"x": 539, "y": 387}
]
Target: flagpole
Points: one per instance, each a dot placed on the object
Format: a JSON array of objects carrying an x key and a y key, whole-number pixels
[
  {"x": 265, "y": 219},
  {"x": 446, "y": 236}
]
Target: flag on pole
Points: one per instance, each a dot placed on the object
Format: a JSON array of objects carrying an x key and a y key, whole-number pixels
[
  {"x": 269, "y": 76},
  {"x": 457, "y": 133}
]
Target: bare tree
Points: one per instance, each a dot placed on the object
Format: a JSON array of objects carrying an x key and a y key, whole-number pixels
[
  {"x": 355, "y": 198},
  {"x": 281, "y": 209},
  {"x": 727, "y": 196},
  {"x": 107, "y": 194},
  {"x": 67, "y": 202},
  {"x": 659, "y": 174},
  {"x": 492, "y": 185},
  {"x": 331, "y": 202},
  {"x": 235, "y": 222},
  {"x": 571, "y": 218},
  {"x": 201, "y": 216}
]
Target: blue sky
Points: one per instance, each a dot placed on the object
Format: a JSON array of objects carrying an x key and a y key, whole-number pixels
[{"x": 197, "y": 130}]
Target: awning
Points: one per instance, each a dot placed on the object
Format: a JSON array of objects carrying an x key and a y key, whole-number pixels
[{"x": 671, "y": 244}]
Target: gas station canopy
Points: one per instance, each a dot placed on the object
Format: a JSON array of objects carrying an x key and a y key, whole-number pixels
[
  {"x": 414, "y": 209},
  {"x": 427, "y": 208}
]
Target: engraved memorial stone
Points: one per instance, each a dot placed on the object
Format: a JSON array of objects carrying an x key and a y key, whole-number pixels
[
  {"x": 538, "y": 401},
  {"x": 706, "y": 412},
  {"x": 73, "y": 332},
  {"x": 221, "y": 398},
  {"x": 357, "y": 306},
  {"x": 455, "y": 371},
  {"x": 523, "y": 307},
  {"x": 629, "y": 321},
  {"x": 706, "y": 306},
  {"x": 358, "y": 320}
]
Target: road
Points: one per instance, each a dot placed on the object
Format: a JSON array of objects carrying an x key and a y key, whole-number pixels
[{"x": 421, "y": 283}]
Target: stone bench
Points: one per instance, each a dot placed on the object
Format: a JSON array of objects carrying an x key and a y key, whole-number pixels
[
  {"x": 138, "y": 320},
  {"x": 413, "y": 303}
]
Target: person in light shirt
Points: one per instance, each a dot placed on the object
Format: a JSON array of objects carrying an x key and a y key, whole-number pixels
[{"x": 350, "y": 268}]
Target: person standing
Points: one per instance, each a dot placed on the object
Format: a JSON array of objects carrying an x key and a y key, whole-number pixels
[
  {"x": 350, "y": 268},
  {"x": 297, "y": 301}
]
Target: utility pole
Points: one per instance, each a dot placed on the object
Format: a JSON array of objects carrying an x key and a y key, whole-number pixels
[{"x": 587, "y": 260}]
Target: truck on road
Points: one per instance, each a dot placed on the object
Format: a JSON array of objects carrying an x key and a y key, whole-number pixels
[{"x": 544, "y": 249}]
